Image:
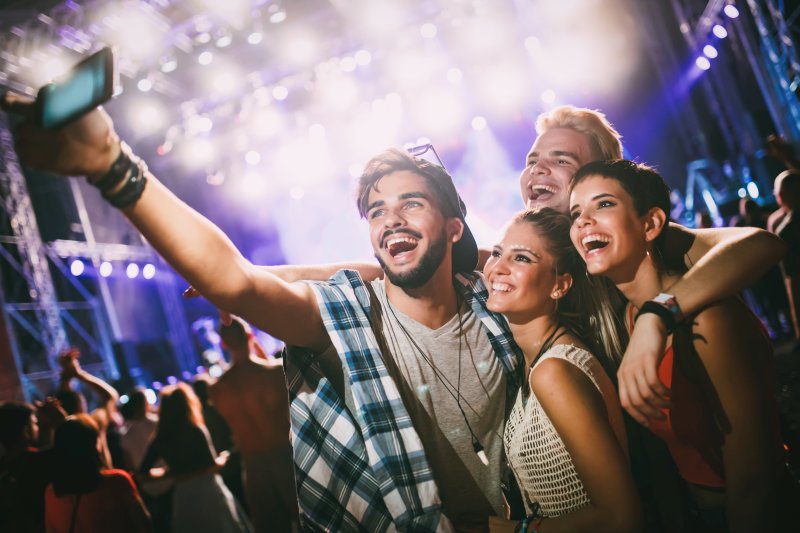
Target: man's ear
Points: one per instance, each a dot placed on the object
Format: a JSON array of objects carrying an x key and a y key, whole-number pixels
[
  {"x": 455, "y": 228},
  {"x": 654, "y": 222}
]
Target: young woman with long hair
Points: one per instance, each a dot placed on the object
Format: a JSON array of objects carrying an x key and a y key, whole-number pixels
[
  {"x": 564, "y": 439},
  {"x": 201, "y": 501}
]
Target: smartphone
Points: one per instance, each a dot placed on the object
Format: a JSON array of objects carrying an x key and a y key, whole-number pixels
[{"x": 89, "y": 84}]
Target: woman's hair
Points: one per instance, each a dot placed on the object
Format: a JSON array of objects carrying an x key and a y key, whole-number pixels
[
  {"x": 179, "y": 408},
  {"x": 645, "y": 186},
  {"x": 586, "y": 308},
  {"x": 77, "y": 461},
  {"x": 592, "y": 123},
  {"x": 14, "y": 418}
]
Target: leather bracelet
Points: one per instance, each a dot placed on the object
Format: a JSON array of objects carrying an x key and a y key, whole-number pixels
[
  {"x": 132, "y": 189},
  {"x": 118, "y": 171},
  {"x": 667, "y": 316}
]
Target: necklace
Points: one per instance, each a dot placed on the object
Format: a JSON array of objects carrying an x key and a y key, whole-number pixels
[
  {"x": 453, "y": 391},
  {"x": 546, "y": 345}
]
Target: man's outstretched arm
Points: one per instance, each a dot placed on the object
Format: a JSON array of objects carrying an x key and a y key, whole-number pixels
[
  {"x": 190, "y": 243},
  {"x": 722, "y": 261}
]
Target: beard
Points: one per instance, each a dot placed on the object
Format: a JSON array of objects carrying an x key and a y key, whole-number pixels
[{"x": 423, "y": 272}]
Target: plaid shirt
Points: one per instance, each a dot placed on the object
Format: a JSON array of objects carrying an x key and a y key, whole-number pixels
[{"x": 367, "y": 471}]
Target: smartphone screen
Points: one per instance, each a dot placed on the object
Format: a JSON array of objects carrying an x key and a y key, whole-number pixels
[{"x": 87, "y": 86}]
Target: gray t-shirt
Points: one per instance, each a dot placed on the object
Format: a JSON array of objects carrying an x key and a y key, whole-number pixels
[{"x": 481, "y": 389}]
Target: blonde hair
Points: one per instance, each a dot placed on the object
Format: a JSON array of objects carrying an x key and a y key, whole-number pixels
[{"x": 591, "y": 122}]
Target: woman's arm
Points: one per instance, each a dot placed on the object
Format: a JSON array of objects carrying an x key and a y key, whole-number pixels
[
  {"x": 734, "y": 352},
  {"x": 723, "y": 262},
  {"x": 578, "y": 413}
]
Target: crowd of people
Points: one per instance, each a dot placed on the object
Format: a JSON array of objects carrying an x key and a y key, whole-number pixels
[{"x": 596, "y": 372}]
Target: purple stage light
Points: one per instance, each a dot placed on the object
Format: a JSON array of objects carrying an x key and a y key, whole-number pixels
[
  {"x": 77, "y": 267},
  {"x": 710, "y": 52},
  {"x": 702, "y": 63},
  {"x": 731, "y": 11},
  {"x": 132, "y": 270},
  {"x": 172, "y": 380},
  {"x": 720, "y": 31},
  {"x": 148, "y": 271},
  {"x": 106, "y": 269}
]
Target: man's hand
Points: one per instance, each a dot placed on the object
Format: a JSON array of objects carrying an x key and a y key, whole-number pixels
[
  {"x": 640, "y": 390},
  {"x": 85, "y": 147}
]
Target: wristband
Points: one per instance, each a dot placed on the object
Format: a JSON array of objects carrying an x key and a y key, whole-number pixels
[
  {"x": 132, "y": 186},
  {"x": 118, "y": 171},
  {"x": 666, "y": 307}
]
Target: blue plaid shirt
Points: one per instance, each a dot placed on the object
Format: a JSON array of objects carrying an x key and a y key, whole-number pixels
[{"x": 367, "y": 471}]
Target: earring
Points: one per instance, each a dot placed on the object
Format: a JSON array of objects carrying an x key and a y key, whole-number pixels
[{"x": 555, "y": 295}]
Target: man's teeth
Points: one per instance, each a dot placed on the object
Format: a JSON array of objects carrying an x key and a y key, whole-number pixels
[
  {"x": 544, "y": 188},
  {"x": 501, "y": 287},
  {"x": 398, "y": 240}
]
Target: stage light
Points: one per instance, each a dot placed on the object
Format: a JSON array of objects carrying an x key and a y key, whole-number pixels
[
  {"x": 77, "y": 267},
  {"x": 150, "y": 394},
  {"x": 215, "y": 371},
  {"x": 148, "y": 271},
  {"x": 224, "y": 40},
  {"x": 168, "y": 64},
  {"x": 53, "y": 68},
  {"x": 172, "y": 380},
  {"x": 205, "y": 58},
  {"x": 198, "y": 152},
  {"x": 752, "y": 189},
  {"x": 438, "y": 110},
  {"x": 338, "y": 93},
  {"x": 134, "y": 27},
  {"x": 297, "y": 193},
  {"x": 279, "y": 92},
  {"x": 454, "y": 75},
  {"x": 106, "y": 269},
  {"x": 145, "y": 84},
  {"x": 198, "y": 124},
  {"x": 428, "y": 30},
  {"x": 132, "y": 270},
  {"x": 731, "y": 11},
  {"x": 252, "y": 157},
  {"x": 265, "y": 122},
  {"x": 742, "y": 192},
  {"x": 147, "y": 115},
  {"x": 225, "y": 81},
  {"x": 157, "y": 385},
  {"x": 347, "y": 64},
  {"x": 548, "y": 96},
  {"x": 702, "y": 63},
  {"x": 300, "y": 48},
  {"x": 255, "y": 37},
  {"x": 124, "y": 399},
  {"x": 363, "y": 57},
  {"x": 710, "y": 52},
  {"x": 186, "y": 375},
  {"x": 277, "y": 17},
  {"x": 478, "y": 123},
  {"x": 504, "y": 87},
  {"x": 720, "y": 31}
]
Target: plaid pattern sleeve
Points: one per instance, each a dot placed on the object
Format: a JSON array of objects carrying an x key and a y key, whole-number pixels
[
  {"x": 500, "y": 337},
  {"x": 365, "y": 471}
]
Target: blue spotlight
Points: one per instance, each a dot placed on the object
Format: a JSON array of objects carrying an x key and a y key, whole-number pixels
[
  {"x": 132, "y": 271},
  {"x": 702, "y": 63},
  {"x": 731, "y": 11},
  {"x": 148, "y": 271},
  {"x": 77, "y": 267},
  {"x": 106, "y": 269},
  {"x": 752, "y": 189},
  {"x": 720, "y": 31},
  {"x": 710, "y": 52},
  {"x": 742, "y": 192}
]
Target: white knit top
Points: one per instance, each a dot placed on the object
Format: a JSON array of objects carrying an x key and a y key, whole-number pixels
[{"x": 540, "y": 461}]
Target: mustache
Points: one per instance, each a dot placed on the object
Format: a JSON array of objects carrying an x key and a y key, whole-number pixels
[{"x": 388, "y": 233}]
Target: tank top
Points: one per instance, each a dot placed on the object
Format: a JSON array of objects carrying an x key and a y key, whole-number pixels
[{"x": 537, "y": 454}]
